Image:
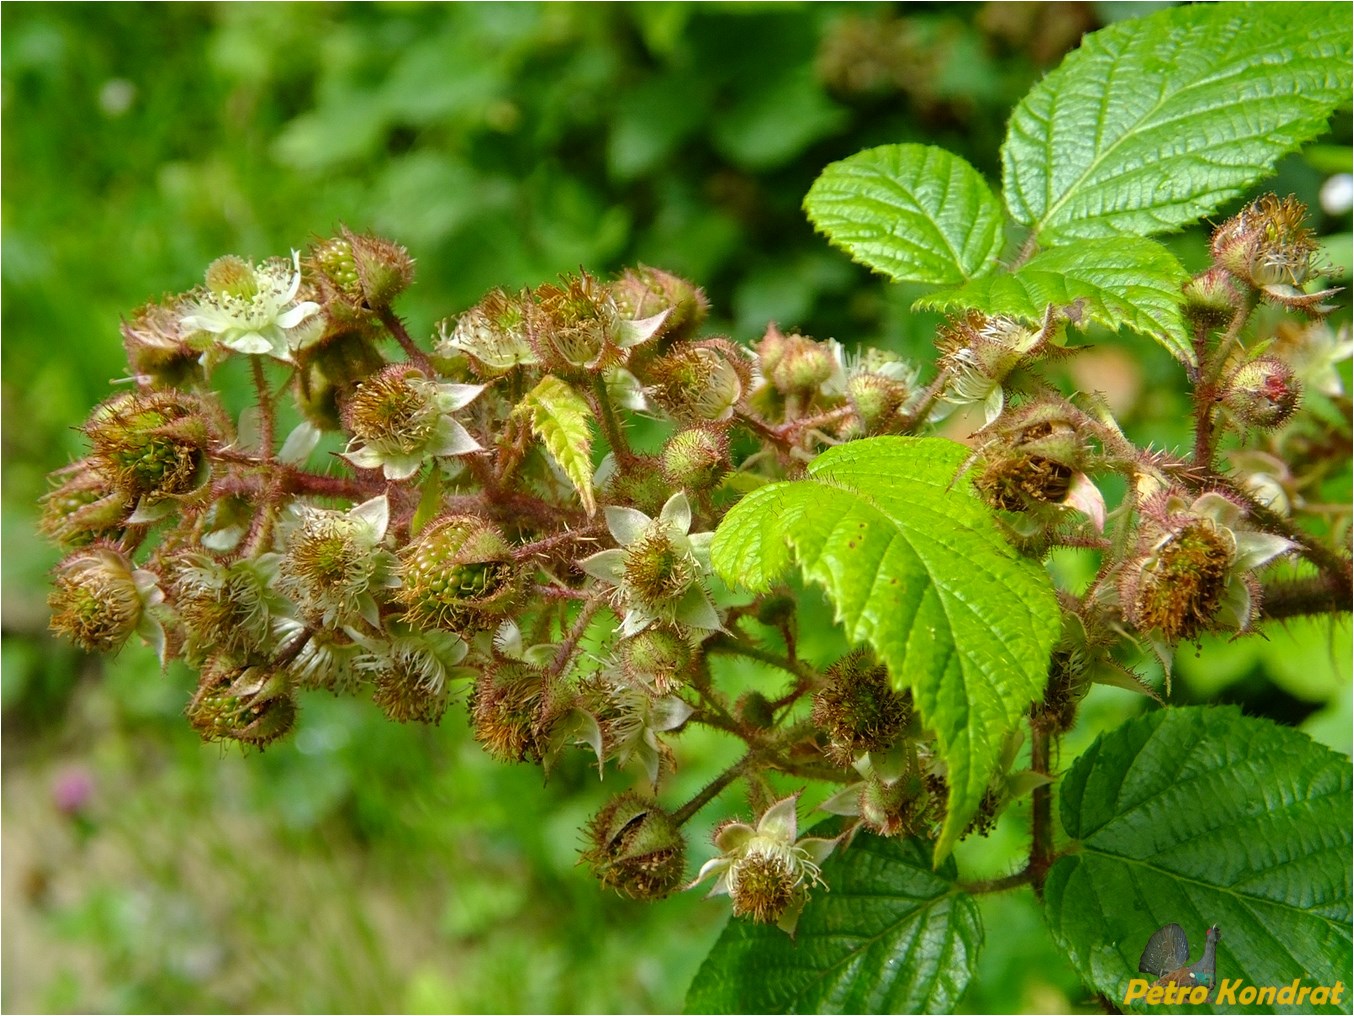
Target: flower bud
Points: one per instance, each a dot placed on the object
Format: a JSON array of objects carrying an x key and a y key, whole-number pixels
[
  {"x": 249, "y": 704},
  {"x": 655, "y": 659},
  {"x": 157, "y": 348},
  {"x": 83, "y": 508},
  {"x": 755, "y": 709},
  {"x": 1211, "y": 298},
  {"x": 1262, "y": 392},
  {"x": 95, "y": 600},
  {"x": 384, "y": 269},
  {"x": 636, "y": 848},
  {"x": 876, "y": 400},
  {"x": 858, "y": 710},
  {"x": 643, "y": 485},
  {"x": 695, "y": 459},
  {"x": 457, "y": 574},
  {"x": 645, "y": 292},
  {"x": 803, "y": 367},
  {"x": 900, "y": 807}
]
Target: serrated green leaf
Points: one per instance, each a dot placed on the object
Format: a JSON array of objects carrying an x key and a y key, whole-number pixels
[
  {"x": 1203, "y": 816},
  {"x": 1133, "y": 283},
  {"x": 913, "y": 212},
  {"x": 1155, "y": 122},
  {"x": 917, "y": 569},
  {"x": 560, "y": 417},
  {"x": 889, "y": 935}
]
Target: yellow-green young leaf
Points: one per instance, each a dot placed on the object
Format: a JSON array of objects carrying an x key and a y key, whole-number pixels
[
  {"x": 1202, "y": 816},
  {"x": 887, "y": 934},
  {"x": 1131, "y": 283},
  {"x": 561, "y": 418},
  {"x": 917, "y": 569},
  {"x": 913, "y": 212},
  {"x": 1154, "y": 122}
]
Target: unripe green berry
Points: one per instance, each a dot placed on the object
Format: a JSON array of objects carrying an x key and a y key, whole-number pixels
[
  {"x": 458, "y": 574},
  {"x": 249, "y": 704}
]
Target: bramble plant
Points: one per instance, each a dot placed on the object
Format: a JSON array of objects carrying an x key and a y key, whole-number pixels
[{"x": 473, "y": 518}]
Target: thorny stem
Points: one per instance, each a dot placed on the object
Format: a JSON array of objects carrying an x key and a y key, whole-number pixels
[
  {"x": 565, "y": 653},
  {"x": 1041, "y": 809},
  {"x": 928, "y": 399},
  {"x": 996, "y": 885},
  {"x": 611, "y": 426},
  {"x": 267, "y": 418},
  {"x": 738, "y": 647},
  {"x": 1303, "y": 597},
  {"x": 396, "y": 328},
  {"x": 712, "y": 789}
]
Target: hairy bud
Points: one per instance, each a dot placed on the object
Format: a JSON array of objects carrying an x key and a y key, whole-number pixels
[
  {"x": 645, "y": 292},
  {"x": 384, "y": 269},
  {"x": 636, "y": 848},
  {"x": 696, "y": 382},
  {"x": 858, "y": 710},
  {"x": 695, "y": 459},
  {"x": 1262, "y": 392},
  {"x": 656, "y": 659}
]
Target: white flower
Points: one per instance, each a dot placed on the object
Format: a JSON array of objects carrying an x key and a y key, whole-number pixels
[
  {"x": 255, "y": 310},
  {"x": 400, "y": 419},
  {"x": 658, "y": 570},
  {"x": 766, "y": 871},
  {"x": 334, "y": 561}
]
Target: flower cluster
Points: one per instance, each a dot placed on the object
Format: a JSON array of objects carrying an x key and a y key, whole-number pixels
[{"x": 483, "y": 518}]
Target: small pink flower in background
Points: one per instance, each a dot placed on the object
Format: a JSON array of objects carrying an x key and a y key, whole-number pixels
[{"x": 72, "y": 790}]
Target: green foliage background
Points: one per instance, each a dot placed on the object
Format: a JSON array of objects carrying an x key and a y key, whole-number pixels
[{"x": 368, "y": 867}]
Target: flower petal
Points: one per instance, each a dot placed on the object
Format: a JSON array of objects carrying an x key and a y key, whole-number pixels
[
  {"x": 677, "y": 512},
  {"x": 695, "y": 610},
  {"x": 607, "y": 565},
  {"x": 374, "y": 515},
  {"x": 365, "y": 457},
  {"x": 453, "y": 396},
  {"x": 626, "y": 524},
  {"x": 780, "y": 822},
  {"x": 1254, "y": 549},
  {"x": 452, "y": 439}
]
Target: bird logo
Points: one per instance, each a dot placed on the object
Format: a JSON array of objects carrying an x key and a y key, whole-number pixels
[{"x": 1167, "y": 957}]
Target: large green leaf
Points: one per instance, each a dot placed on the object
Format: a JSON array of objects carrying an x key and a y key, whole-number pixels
[
  {"x": 1132, "y": 283},
  {"x": 1203, "y": 816},
  {"x": 913, "y": 212},
  {"x": 917, "y": 569},
  {"x": 560, "y": 417},
  {"x": 1155, "y": 122},
  {"x": 889, "y": 935}
]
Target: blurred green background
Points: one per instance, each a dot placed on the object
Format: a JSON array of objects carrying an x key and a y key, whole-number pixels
[{"x": 363, "y": 866}]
